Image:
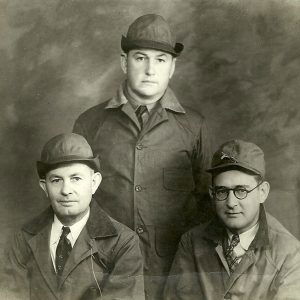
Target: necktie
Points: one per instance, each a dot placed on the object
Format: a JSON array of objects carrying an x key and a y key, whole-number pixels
[
  {"x": 231, "y": 258},
  {"x": 142, "y": 115},
  {"x": 63, "y": 250}
]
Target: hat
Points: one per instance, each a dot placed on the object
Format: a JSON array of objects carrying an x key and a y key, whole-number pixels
[
  {"x": 150, "y": 31},
  {"x": 65, "y": 148},
  {"x": 241, "y": 155}
]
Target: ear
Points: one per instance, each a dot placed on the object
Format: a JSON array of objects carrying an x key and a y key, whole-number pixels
[
  {"x": 264, "y": 190},
  {"x": 124, "y": 62},
  {"x": 172, "y": 70},
  {"x": 96, "y": 180},
  {"x": 43, "y": 186}
]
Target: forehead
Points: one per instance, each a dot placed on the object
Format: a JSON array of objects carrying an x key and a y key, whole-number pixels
[
  {"x": 68, "y": 169},
  {"x": 149, "y": 52},
  {"x": 233, "y": 178}
]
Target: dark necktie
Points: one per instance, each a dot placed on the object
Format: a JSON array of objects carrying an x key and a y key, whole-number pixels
[
  {"x": 231, "y": 258},
  {"x": 63, "y": 250},
  {"x": 142, "y": 115}
]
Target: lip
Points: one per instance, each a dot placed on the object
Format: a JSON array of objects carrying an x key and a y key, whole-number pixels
[
  {"x": 149, "y": 82},
  {"x": 66, "y": 202},
  {"x": 232, "y": 214}
]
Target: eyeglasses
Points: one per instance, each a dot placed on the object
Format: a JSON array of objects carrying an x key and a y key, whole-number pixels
[{"x": 222, "y": 193}]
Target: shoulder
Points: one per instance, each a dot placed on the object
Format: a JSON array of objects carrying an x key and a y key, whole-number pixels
[
  {"x": 93, "y": 112},
  {"x": 280, "y": 238},
  {"x": 195, "y": 237}
]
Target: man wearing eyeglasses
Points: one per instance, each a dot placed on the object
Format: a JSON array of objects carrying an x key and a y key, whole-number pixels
[{"x": 244, "y": 252}]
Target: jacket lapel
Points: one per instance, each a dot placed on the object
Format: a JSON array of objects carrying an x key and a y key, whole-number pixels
[
  {"x": 82, "y": 249},
  {"x": 247, "y": 261},
  {"x": 39, "y": 245}
]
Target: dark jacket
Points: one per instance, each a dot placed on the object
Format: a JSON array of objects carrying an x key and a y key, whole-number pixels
[
  {"x": 154, "y": 177},
  {"x": 105, "y": 250},
  {"x": 270, "y": 269}
]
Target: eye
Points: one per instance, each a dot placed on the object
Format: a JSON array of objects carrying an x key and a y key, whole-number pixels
[
  {"x": 240, "y": 191},
  {"x": 140, "y": 58},
  {"x": 55, "y": 180},
  {"x": 76, "y": 178},
  {"x": 161, "y": 60}
]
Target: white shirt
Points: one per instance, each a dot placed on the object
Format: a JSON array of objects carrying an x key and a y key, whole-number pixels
[
  {"x": 56, "y": 231},
  {"x": 246, "y": 239}
]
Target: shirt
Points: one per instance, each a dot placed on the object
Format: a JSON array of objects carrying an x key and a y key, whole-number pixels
[
  {"x": 56, "y": 231},
  {"x": 246, "y": 239}
]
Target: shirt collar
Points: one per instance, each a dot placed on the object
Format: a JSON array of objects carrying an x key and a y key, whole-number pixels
[
  {"x": 168, "y": 100},
  {"x": 75, "y": 229},
  {"x": 246, "y": 237}
]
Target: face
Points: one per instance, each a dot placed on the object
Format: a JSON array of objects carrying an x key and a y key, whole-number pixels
[
  {"x": 70, "y": 188},
  {"x": 239, "y": 215},
  {"x": 148, "y": 74}
]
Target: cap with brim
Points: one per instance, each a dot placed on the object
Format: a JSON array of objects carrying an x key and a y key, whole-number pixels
[
  {"x": 63, "y": 149},
  {"x": 238, "y": 155},
  {"x": 151, "y": 32}
]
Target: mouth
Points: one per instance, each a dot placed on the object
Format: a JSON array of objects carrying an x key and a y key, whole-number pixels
[
  {"x": 232, "y": 214},
  {"x": 149, "y": 82},
  {"x": 66, "y": 202}
]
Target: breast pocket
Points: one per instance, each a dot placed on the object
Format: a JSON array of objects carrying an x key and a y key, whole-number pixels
[{"x": 178, "y": 179}]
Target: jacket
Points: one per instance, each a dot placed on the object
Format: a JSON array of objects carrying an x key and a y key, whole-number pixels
[
  {"x": 158, "y": 172},
  {"x": 106, "y": 254},
  {"x": 270, "y": 268}
]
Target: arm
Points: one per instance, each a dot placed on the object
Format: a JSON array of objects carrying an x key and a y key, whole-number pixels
[
  {"x": 288, "y": 278},
  {"x": 126, "y": 281},
  {"x": 182, "y": 283},
  {"x": 15, "y": 282},
  {"x": 200, "y": 162}
]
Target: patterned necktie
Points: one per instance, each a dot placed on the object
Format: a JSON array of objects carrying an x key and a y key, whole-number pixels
[
  {"x": 231, "y": 258},
  {"x": 63, "y": 250},
  {"x": 142, "y": 115}
]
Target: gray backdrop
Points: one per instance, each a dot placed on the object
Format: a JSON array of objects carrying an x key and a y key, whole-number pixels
[{"x": 240, "y": 68}]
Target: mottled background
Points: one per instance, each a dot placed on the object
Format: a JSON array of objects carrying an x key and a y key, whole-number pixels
[{"x": 240, "y": 68}]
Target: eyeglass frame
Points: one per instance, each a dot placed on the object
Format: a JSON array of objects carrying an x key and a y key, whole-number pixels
[{"x": 213, "y": 191}]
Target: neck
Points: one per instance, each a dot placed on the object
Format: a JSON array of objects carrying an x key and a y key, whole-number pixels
[
  {"x": 140, "y": 99},
  {"x": 71, "y": 220}
]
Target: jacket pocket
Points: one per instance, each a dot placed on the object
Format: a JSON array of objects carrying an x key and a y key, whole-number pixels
[
  {"x": 178, "y": 179},
  {"x": 166, "y": 240}
]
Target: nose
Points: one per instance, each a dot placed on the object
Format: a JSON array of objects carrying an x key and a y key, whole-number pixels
[
  {"x": 150, "y": 69},
  {"x": 232, "y": 201},
  {"x": 66, "y": 188}
]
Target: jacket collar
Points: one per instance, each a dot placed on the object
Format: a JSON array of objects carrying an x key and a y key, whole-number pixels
[
  {"x": 168, "y": 100},
  {"x": 215, "y": 231},
  {"x": 99, "y": 223}
]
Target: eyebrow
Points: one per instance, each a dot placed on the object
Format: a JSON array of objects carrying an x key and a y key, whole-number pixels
[
  {"x": 144, "y": 54},
  {"x": 71, "y": 175},
  {"x": 236, "y": 186}
]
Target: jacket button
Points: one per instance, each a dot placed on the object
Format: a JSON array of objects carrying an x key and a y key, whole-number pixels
[
  {"x": 139, "y": 230},
  {"x": 138, "y": 188},
  {"x": 139, "y": 146}
]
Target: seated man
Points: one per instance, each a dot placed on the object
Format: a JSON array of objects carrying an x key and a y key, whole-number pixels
[
  {"x": 73, "y": 250},
  {"x": 244, "y": 253}
]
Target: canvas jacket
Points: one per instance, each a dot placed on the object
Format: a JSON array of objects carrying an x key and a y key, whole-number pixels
[
  {"x": 105, "y": 250},
  {"x": 154, "y": 177},
  {"x": 269, "y": 270}
]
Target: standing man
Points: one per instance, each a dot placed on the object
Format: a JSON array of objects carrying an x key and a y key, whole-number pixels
[
  {"x": 244, "y": 253},
  {"x": 73, "y": 250},
  {"x": 152, "y": 149}
]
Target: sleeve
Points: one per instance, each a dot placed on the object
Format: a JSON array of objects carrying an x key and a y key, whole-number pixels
[
  {"x": 200, "y": 163},
  {"x": 15, "y": 282},
  {"x": 288, "y": 279},
  {"x": 125, "y": 280},
  {"x": 182, "y": 282}
]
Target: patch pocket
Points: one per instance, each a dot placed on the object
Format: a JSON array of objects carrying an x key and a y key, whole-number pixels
[
  {"x": 166, "y": 240},
  {"x": 178, "y": 179}
]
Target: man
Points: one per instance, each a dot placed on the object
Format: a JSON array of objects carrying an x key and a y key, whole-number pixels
[
  {"x": 244, "y": 253},
  {"x": 154, "y": 150},
  {"x": 71, "y": 250}
]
